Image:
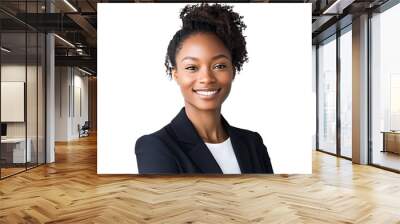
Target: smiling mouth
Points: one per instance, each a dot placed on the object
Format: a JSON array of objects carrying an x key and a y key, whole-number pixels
[{"x": 207, "y": 92}]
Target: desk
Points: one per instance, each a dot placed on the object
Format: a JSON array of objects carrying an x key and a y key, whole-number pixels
[
  {"x": 15, "y": 148},
  {"x": 391, "y": 141}
]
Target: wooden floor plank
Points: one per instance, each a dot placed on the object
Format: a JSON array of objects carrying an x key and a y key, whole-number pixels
[{"x": 70, "y": 191}]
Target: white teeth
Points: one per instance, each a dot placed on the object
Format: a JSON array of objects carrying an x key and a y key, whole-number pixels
[{"x": 206, "y": 93}]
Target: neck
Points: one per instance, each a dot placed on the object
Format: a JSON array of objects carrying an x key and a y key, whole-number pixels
[{"x": 207, "y": 124}]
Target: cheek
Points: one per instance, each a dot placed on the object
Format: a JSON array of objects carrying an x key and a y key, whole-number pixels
[
  {"x": 186, "y": 83},
  {"x": 226, "y": 79}
]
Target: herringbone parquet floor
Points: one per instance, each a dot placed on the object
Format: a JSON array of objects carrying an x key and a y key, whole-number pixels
[{"x": 70, "y": 191}]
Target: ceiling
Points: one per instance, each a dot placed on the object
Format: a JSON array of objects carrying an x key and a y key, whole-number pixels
[{"x": 76, "y": 22}]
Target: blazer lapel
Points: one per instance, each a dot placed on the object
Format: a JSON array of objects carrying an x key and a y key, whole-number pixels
[
  {"x": 203, "y": 158},
  {"x": 194, "y": 145},
  {"x": 241, "y": 151}
]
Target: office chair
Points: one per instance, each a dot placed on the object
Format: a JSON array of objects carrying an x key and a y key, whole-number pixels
[{"x": 84, "y": 130}]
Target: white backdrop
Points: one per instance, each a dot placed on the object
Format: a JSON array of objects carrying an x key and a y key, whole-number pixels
[{"x": 272, "y": 95}]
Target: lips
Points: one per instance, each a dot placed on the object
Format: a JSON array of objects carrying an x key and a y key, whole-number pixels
[{"x": 207, "y": 92}]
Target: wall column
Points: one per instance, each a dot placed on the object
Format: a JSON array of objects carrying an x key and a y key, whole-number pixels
[
  {"x": 50, "y": 92},
  {"x": 360, "y": 90}
]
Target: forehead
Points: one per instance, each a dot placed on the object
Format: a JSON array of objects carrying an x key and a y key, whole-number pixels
[{"x": 202, "y": 46}]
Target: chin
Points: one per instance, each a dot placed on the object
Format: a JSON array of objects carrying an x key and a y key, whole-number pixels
[{"x": 206, "y": 106}]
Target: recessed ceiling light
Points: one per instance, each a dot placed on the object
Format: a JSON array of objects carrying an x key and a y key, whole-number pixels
[
  {"x": 84, "y": 71},
  {"x": 5, "y": 50},
  {"x": 338, "y": 6},
  {"x": 64, "y": 40},
  {"x": 70, "y": 5}
]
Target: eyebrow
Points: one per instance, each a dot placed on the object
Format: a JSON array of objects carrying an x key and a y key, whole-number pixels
[{"x": 213, "y": 58}]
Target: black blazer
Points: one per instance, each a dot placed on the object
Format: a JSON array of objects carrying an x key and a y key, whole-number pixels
[{"x": 177, "y": 148}]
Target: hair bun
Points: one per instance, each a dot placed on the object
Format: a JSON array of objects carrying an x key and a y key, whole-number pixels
[
  {"x": 220, "y": 16},
  {"x": 198, "y": 24}
]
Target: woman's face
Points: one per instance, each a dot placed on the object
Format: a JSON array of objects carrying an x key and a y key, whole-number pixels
[{"x": 204, "y": 71}]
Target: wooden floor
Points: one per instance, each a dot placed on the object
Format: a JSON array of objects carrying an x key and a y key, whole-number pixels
[
  {"x": 10, "y": 171},
  {"x": 70, "y": 191}
]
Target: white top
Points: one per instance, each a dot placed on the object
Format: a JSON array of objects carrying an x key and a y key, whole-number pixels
[{"x": 225, "y": 156}]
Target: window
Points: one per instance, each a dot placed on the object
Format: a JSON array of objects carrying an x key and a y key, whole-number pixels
[
  {"x": 327, "y": 95},
  {"x": 385, "y": 88},
  {"x": 346, "y": 92}
]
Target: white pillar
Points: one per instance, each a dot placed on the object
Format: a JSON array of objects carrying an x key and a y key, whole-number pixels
[{"x": 50, "y": 93}]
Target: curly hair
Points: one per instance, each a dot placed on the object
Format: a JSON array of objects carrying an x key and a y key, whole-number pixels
[{"x": 217, "y": 19}]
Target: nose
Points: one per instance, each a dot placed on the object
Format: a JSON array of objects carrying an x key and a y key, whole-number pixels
[{"x": 207, "y": 76}]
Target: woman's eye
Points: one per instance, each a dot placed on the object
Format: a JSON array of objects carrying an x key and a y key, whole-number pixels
[
  {"x": 220, "y": 66},
  {"x": 191, "y": 68}
]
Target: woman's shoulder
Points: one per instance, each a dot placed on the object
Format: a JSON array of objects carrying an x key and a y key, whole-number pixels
[
  {"x": 156, "y": 136},
  {"x": 154, "y": 155},
  {"x": 152, "y": 139}
]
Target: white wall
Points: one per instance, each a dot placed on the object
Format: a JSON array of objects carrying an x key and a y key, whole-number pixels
[
  {"x": 61, "y": 103},
  {"x": 69, "y": 82},
  {"x": 81, "y": 83}
]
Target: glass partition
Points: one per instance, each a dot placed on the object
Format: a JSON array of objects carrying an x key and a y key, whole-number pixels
[
  {"x": 41, "y": 111},
  {"x": 31, "y": 100},
  {"x": 13, "y": 103},
  {"x": 32, "y": 72},
  {"x": 327, "y": 95},
  {"x": 22, "y": 101}
]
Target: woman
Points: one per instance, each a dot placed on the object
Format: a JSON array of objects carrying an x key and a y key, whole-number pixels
[{"x": 203, "y": 57}]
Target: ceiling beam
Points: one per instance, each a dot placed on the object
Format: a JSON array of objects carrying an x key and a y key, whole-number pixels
[
  {"x": 84, "y": 24},
  {"x": 85, "y": 61},
  {"x": 337, "y": 6}
]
